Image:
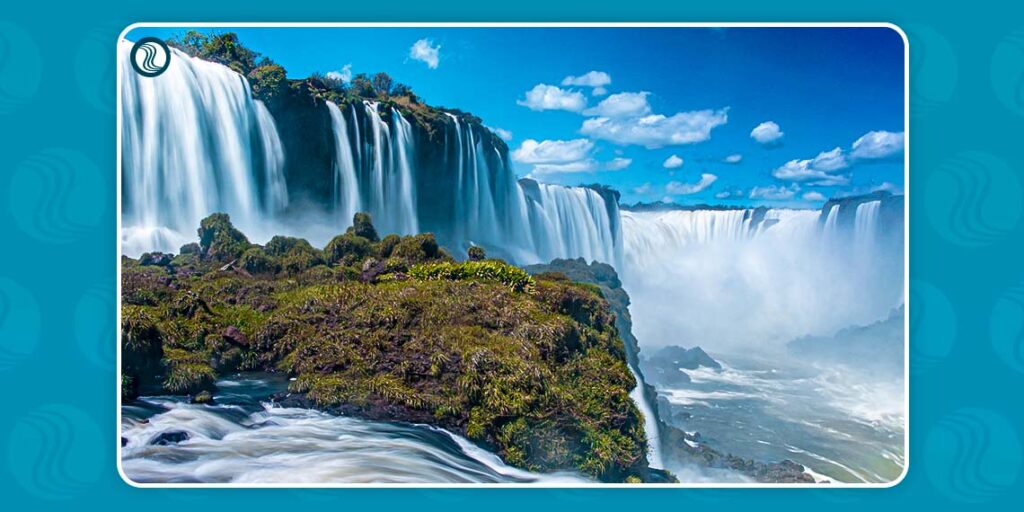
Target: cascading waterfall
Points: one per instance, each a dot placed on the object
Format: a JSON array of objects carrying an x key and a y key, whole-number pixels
[
  {"x": 346, "y": 184},
  {"x": 194, "y": 141},
  {"x": 728, "y": 280},
  {"x": 866, "y": 221}
]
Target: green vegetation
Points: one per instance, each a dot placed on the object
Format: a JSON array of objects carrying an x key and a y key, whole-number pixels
[{"x": 393, "y": 329}]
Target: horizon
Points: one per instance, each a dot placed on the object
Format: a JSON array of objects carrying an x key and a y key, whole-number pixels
[{"x": 746, "y": 122}]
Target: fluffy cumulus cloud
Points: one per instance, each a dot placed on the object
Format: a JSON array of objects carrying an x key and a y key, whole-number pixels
[
  {"x": 550, "y": 97},
  {"x": 816, "y": 171},
  {"x": 774, "y": 192},
  {"x": 552, "y": 151},
  {"x": 877, "y": 144},
  {"x": 813, "y": 196},
  {"x": 656, "y": 130},
  {"x": 677, "y": 188},
  {"x": 623, "y": 104},
  {"x": 425, "y": 51},
  {"x": 767, "y": 133},
  {"x": 733, "y": 159},
  {"x": 344, "y": 74},
  {"x": 672, "y": 162},
  {"x": 595, "y": 79},
  {"x": 618, "y": 164},
  {"x": 644, "y": 189},
  {"x": 587, "y": 165},
  {"x": 501, "y": 132}
]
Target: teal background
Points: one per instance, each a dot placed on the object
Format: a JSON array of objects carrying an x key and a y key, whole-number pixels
[{"x": 57, "y": 255}]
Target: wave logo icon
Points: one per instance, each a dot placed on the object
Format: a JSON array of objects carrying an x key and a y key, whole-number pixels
[{"x": 150, "y": 56}]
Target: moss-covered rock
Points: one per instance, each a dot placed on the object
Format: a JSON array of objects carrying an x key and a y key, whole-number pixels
[
  {"x": 529, "y": 367},
  {"x": 476, "y": 253},
  {"x": 347, "y": 249},
  {"x": 255, "y": 261},
  {"x": 362, "y": 226},
  {"x": 219, "y": 240}
]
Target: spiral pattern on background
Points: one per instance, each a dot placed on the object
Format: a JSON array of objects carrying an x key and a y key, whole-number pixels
[
  {"x": 94, "y": 325},
  {"x": 973, "y": 199},
  {"x": 20, "y": 67},
  {"x": 19, "y": 323},
  {"x": 1006, "y": 328},
  {"x": 56, "y": 452},
  {"x": 95, "y": 73},
  {"x": 933, "y": 69},
  {"x": 54, "y": 195},
  {"x": 1007, "y": 71},
  {"x": 973, "y": 455},
  {"x": 933, "y": 326}
]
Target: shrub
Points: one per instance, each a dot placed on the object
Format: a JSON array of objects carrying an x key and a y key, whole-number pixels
[
  {"x": 418, "y": 248},
  {"x": 219, "y": 240},
  {"x": 256, "y": 261},
  {"x": 188, "y": 373},
  {"x": 268, "y": 81},
  {"x": 476, "y": 253},
  {"x": 387, "y": 245},
  {"x": 347, "y": 249},
  {"x": 515, "y": 278},
  {"x": 362, "y": 226}
]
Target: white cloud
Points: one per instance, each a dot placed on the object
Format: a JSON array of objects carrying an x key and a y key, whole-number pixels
[
  {"x": 877, "y": 144},
  {"x": 425, "y": 51},
  {"x": 814, "y": 196},
  {"x": 589, "y": 79},
  {"x": 501, "y": 132},
  {"x": 552, "y": 151},
  {"x": 599, "y": 91},
  {"x": 816, "y": 171},
  {"x": 656, "y": 130},
  {"x": 587, "y": 165},
  {"x": 550, "y": 97},
  {"x": 774, "y": 192},
  {"x": 733, "y": 159},
  {"x": 644, "y": 189},
  {"x": 767, "y": 133},
  {"x": 344, "y": 74},
  {"x": 722, "y": 195},
  {"x": 672, "y": 162},
  {"x": 617, "y": 164},
  {"x": 887, "y": 187},
  {"x": 679, "y": 188},
  {"x": 623, "y": 104}
]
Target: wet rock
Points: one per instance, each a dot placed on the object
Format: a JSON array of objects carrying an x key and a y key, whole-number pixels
[
  {"x": 158, "y": 259},
  {"x": 235, "y": 337},
  {"x": 170, "y": 437},
  {"x": 203, "y": 397}
]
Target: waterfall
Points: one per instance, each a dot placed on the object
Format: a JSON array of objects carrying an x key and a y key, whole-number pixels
[
  {"x": 866, "y": 221},
  {"x": 193, "y": 141},
  {"x": 402, "y": 195},
  {"x": 727, "y": 280},
  {"x": 346, "y": 185},
  {"x": 829, "y": 229}
]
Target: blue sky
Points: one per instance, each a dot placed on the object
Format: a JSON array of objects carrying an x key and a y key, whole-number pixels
[{"x": 667, "y": 114}]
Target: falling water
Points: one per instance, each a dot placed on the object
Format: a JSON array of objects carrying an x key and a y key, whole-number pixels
[
  {"x": 194, "y": 141},
  {"x": 866, "y": 221},
  {"x": 726, "y": 281},
  {"x": 346, "y": 185}
]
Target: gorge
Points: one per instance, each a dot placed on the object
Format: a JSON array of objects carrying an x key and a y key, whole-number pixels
[{"x": 300, "y": 158}]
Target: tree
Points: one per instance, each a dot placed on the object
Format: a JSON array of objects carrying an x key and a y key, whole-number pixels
[{"x": 382, "y": 84}]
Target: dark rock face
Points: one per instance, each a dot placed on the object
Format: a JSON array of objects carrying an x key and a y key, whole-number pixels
[
  {"x": 157, "y": 259},
  {"x": 234, "y": 336},
  {"x": 171, "y": 437},
  {"x": 665, "y": 367}
]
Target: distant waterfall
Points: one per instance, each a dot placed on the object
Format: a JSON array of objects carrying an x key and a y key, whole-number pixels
[
  {"x": 757, "y": 278},
  {"x": 866, "y": 221},
  {"x": 194, "y": 141}
]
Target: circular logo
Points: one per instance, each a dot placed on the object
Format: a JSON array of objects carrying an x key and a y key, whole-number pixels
[{"x": 150, "y": 56}]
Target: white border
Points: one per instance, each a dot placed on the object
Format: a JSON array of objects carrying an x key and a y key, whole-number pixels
[{"x": 599, "y": 485}]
